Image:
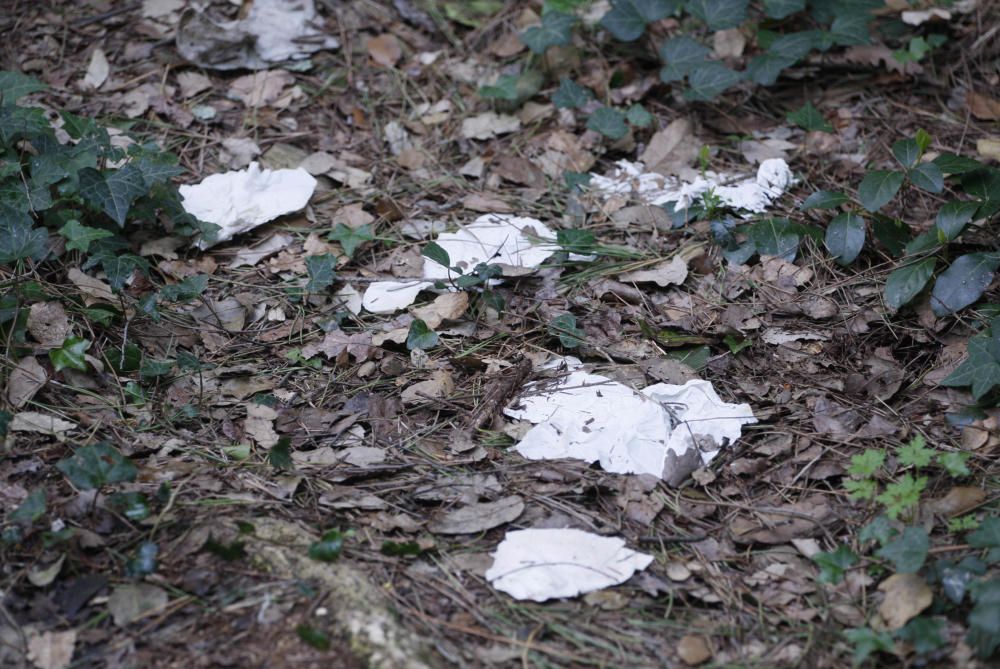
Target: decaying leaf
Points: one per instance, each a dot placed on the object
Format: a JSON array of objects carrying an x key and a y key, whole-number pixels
[
  {"x": 906, "y": 595},
  {"x": 478, "y": 517},
  {"x": 51, "y": 650},
  {"x": 26, "y": 379}
]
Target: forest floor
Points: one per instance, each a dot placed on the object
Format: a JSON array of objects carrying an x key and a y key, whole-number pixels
[{"x": 285, "y": 417}]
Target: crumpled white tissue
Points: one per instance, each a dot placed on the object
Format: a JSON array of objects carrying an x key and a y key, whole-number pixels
[
  {"x": 241, "y": 200},
  {"x": 592, "y": 418},
  {"x": 543, "y": 564},
  {"x": 494, "y": 239},
  {"x": 750, "y": 194}
]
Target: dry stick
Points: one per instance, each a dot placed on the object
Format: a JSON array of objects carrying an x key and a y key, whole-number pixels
[{"x": 98, "y": 18}]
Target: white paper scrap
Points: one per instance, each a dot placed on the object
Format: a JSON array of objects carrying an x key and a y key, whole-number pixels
[
  {"x": 592, "y": 418},
  {"x": 241, "y": 200},
  {"x": 494, "y": 239},
  {"x": 548, "y": 564},
  {"x": 739, "y": 191}
]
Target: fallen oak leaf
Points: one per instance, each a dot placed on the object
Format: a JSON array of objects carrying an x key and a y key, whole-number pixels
[{"x": 358, "y": 345}]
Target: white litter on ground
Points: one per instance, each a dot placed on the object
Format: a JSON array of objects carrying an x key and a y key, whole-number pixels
[
  {"x": 273, "y": 31},
  {"x": 512, "y": 242},
  {"x": 548, "y": 564},
  {"x": 242, "y": 200},
  {"x": 738, "y": 191},
  {"x": 592, "y": 418}
]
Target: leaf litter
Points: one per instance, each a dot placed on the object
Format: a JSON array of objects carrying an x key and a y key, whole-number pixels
[{"x": 370, "y": 423}]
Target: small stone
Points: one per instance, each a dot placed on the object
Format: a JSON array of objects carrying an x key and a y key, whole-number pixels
[{"x": 693, "y": 649}]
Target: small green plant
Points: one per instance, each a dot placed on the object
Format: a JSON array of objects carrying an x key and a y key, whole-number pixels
[{"x": 482, "y": 276}]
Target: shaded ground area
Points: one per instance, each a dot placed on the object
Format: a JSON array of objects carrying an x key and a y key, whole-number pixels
[{"x": 809, "y": 345}]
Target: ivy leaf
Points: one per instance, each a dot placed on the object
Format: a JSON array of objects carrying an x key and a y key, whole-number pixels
[
  {"x": 719, "y": 14},
  {"x": 571, "y": 95},
  {"x": 420, "y": 336},
  {"x": 189, "y": 289},
  {"x": 564, "y": 327},
  {"x": 779, "y": 9},
  {"x": 132, "y": 505},
  {"x": 31, "y": 509},
  {"x": 833, "y": 564},
  {"x": 906, "y": 282},
  {"x": 866, "y": 642},
  {"x": 78, "y": 237},
  {"x": 70, "y": 354},
  {"x": 112, "y": 192},
  {"x": 351, "y": 238},
  {"x": 980, "y": 370},
  {"x": 328, "y": 548},
  {"x": 556, "y": 30},
  {"x": 14, "y": 86},
  {"x": 908, "y": 552},
  {"x": 880, "y": 530},
  {"x": 681, "y": 56},
  {"x": 963, "y": 283},
  {"x": 824, "y": 199},
  {"x": 915, "y": 453},
  {"x": 878, "y": 187},
  {"x": 609, "y": 122},
  {"x": 927, "y": 176},
  {"x": 767, "y": 67},
  {"x": 987, "y": 536},
  {"x": 628, "y": 18},
  {"x": 93, "y": 467},
  {"x": 851, "y": 29},
  {"x": 953, "y": 216},
  {"x": 710, "y": 79},
  {"x": 321, "y": 274},
  {"x": 437, "y": 253},
  {"x": 19, "y": 239},
  {"x": 845, "y": 237},
  {"x": 314, "y": 637},
  {"x": 775, "y": 237},
  {"x": 907, "y": 152},
  {"x": 280, "y": 455},
  {"x": 984, "y": 619},
  {"x": 638, "y": 116}
]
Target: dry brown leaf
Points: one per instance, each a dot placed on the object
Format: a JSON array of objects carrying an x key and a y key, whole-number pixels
[
  {"x": 693, "y": 649},
  {"x": 353, "y": 216},
  {"x": 804, "y": 518},
  {"x": 42, "y": 423},
  {"x": 445, "y": 307},
  {"x": 25, "y": 380},
  {"x": 439, "y": 385},
  {"x": 48, "y": 323},
  {"x": 358, "y": 345},
  {"x": 262, "y": 88},
  {"x": 478, "y": 517},
  {"x": 989, "y": 147},
  {"x": 51, "y": 650},
  {"x": 192, "y": 83},
  {"x": 487, "y": 203},
  {"x": 259, "y": 424},
  {"x": 906, "y": 595},
  {"x": 97, "y": 70},
  {"x": 673, "y": 271},
  {"x": 875, "y": 54},
  {"x": 519, "y": 170},
  {"x": 983, "y": 107},
  {"x": 959, "y": 500},
  {"x": 249, "y": 256},
  {"x": 129, "y": 602},
  {"x": 729, "y": 43},
  {"x": 384, "y": 50},
  {"x": 671, "y": 150},
  {"x": 488, "y": 125}
]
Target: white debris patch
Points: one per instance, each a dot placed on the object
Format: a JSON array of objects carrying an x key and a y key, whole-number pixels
[
  {"x": 592, "y": 418},
  {"x": 549, "y": 564},
  {"x": 515, "y": 243},
  {"x": 738, "y": 191},
  {"x": 242, "y": 200}
]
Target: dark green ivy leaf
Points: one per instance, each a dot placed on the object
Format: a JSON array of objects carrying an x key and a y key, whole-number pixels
[
  {"x": 556, "y": 30},
  {"x": 627, "y": 19},
  {"x": 14, "y": 86},
  {"x": 908, "y": 551},
  {"x": 779, "y": 9},
  {"x": 638, "y": 116},
  {"x": 437, "y": 253},
  {"x": 767, "y": 67},
  {"x": 93, "y": 467},
  {"x": 953, "y": 216},
  {"x": 420, "y": 336},
  {"x": 907, "y": 152},
  {"x": 71, "y": 354},
  {"x": 949, "y": 163},
  {"x": 609, "y": 122},
  {"x": 866, "y": 642},
  {"x": 184, "y": 291},
  {"x": 78, "y": 237},
  {"x": 719, "y": 14},
  {"x": 321, "y": 272},
  {"x": 31, "y": 509},
  {"x": 834, "y": 564},
  {"x": 132, "y": 505},
  {"x": 709, "y": 80},
  {"x": 927, "y": 176},
  {"x": 19, "y": 239},
  {"x": 328, "y": 548},
  {"x": 280, "y": 455},
  {"x": 681, "y": 55},
  {"x": 350, "y": 239},
  {"x": 775, "y": 237},
  {"x": 564, "y": 327},
  {"x": 980, "y": 370},
  {"x": 571, "y": 95},
  {"x": 824, "y": 199}
]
